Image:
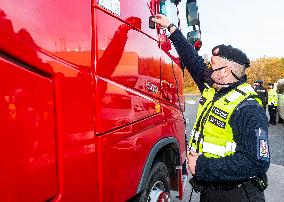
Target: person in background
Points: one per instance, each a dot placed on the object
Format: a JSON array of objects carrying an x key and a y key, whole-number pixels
[
  {"x": 228, "y": 151},
  {"x": 272, "y": 103},
  {"x": 262, "y": 92}
]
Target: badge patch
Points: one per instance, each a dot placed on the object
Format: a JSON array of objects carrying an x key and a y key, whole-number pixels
[
  {"x": 220, "y": 112},
  {"x": 217, "y": 122},
  {"x": 216, "y": 51},
  {"x": 262, "y": 145},
  {"x": 263, "y": 149}
]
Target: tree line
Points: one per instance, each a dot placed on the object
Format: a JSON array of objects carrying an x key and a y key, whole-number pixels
[{"x": 268, "y": 69}]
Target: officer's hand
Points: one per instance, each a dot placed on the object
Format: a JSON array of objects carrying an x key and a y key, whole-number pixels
[
  {"x": 192, "y": 158},
  {"x": 162, "y": 20}
]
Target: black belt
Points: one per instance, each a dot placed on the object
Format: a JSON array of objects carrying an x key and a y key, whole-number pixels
[
  {"x": 202, "y": 186},
  {"x": 259, "y": 182},
  {"x": 225, "y": 186}
]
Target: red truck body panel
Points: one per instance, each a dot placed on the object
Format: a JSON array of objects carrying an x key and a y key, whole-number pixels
[{"x": 86, "y": 94}]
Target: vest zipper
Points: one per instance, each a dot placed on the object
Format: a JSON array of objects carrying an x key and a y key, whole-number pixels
[{"x": 198, "y": 125}]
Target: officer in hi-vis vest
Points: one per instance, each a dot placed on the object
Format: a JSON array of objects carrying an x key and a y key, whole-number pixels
[
  {"x": 272, "y": 103},
  {"x": 261, "y": 91},
  {"x": 228, "y": 150}
]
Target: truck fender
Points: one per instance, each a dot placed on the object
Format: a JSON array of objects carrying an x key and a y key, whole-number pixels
[{"x": 156, "y": 148}]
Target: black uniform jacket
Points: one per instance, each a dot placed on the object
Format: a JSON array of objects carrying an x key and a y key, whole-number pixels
[{"x": 249, "y": 124}]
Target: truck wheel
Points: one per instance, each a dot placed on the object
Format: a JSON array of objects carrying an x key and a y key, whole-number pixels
[{"x": 158, "y": 186}]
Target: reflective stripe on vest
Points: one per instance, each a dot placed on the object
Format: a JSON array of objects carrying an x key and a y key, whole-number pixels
[
  {"x": 212, "y": 134},
  {"x": 219, "y": 150},
  {"x": 235, "y": 95}
]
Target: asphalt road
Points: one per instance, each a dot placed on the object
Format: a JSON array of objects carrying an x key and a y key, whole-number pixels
[{"x": 275, "y": 190}]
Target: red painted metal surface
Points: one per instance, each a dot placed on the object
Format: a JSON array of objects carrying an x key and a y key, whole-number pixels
[
  {"x": 27, "y": 140},
  {"x": 85, "y": 94},
  {"x": 124, "y": 63},
  {"x": 55, "y": 38},
  {"x": 59, "y": 28}
]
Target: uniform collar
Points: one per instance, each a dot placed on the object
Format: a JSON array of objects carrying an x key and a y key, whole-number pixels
[{"x": 225, "y": 90}]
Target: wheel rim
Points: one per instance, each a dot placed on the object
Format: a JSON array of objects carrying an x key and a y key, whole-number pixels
[{"x": 158, "y": 193}]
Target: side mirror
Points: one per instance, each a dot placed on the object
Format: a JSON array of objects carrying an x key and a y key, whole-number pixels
[
  {"x": 192, "y": 13},
  {"x": 194, "y": 37},
  {"x": 176, "y": 2}
]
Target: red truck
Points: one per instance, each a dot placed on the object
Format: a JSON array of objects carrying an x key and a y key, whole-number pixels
[{"x": 83, "y": 113}]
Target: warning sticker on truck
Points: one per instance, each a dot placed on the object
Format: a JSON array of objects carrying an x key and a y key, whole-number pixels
[{"x": 111, "y": 5}]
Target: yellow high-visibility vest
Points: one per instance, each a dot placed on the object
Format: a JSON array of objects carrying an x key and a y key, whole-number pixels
[
  {"x": 272, "y": 97},
  {"x": 212, "y": 134}
]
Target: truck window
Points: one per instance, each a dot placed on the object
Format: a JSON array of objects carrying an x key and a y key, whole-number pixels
[{"x": 169, "y": 8}]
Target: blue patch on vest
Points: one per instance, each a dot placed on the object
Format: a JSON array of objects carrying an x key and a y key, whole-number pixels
[{"x": 262, "y": 145}]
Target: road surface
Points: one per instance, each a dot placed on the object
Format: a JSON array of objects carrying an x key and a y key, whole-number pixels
[{"x": 275, "y": 190}]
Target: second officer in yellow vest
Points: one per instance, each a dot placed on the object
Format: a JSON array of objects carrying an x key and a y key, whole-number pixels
[{"x": 272, "y": 103}]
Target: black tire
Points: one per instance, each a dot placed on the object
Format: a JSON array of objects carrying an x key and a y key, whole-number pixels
[{"x": 159, "y": 174}]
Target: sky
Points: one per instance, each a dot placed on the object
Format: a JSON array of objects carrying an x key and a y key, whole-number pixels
[{"x": 254, "y": 26}]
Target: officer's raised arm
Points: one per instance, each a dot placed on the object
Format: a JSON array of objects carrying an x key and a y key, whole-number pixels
[{"x": 188, "y": 55}]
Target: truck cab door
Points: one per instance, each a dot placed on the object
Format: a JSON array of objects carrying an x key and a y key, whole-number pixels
[
  {"x": 27, "y": 140},
  {"x": 128, "y": 64},
  {"x": 171, "y": 74}
]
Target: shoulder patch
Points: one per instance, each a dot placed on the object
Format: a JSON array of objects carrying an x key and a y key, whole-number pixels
[
  {"x": 262, "y": 144},
  {"x": 263, "y": 149}
]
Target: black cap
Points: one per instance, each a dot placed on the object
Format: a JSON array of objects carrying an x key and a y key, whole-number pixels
[
  {"x": 270, "y": 84},
  {"x": 232, "y": 54},
  {"x": 258, "y": 81}
]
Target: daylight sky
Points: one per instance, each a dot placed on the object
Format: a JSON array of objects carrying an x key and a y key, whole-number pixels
[{"x": 254, "y": 26}]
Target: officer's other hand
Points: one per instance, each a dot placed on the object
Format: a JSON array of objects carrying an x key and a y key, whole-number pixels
[
  {"x": 192, "y": 158},
  {"x": 162, "y": 20}
]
